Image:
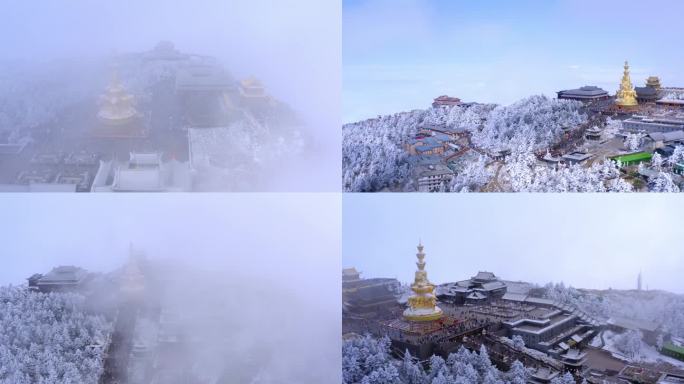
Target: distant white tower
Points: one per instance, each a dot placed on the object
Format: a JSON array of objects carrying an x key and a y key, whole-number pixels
[{"x": 639, "y": 281}]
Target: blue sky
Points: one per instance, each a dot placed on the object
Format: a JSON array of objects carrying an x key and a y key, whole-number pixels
[
  {"x": 399, "y": 54},
  {"x": 585, "y": 240}
]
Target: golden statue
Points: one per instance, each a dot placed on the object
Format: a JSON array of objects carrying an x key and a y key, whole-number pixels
[
  {"x": 422, "y": 304},
  {"x": 626, "y": 96},
  {"x": 116, "y": 105}
]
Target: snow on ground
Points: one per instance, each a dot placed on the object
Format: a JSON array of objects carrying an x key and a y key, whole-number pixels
[{"x": 647, "y": 353}]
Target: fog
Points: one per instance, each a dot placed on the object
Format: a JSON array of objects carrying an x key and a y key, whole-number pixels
[
  {"x": 583, "y": 240},
  {"x": 248, "y": 280},
  {"x": 291, "y": 47}
]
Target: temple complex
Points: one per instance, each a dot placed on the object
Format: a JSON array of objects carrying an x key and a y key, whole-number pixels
[
  {"x": 422, "y": 304},
  {"x": 626, "y": 95}
]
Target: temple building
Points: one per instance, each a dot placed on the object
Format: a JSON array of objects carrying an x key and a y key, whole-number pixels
[
  {"x": 252, "y": 93},
  {"x": 646, "y": 94},
  {"x": 482, "y": 287},
  {"x": 653, "y": 82},
  {"x": 367, "y": 297},
  {"x": 423, "y": 302},
  {"x": 143, "y": 172},
  {"x": 117, "y": 113},
  {"x": 164, "y": 51},
  {"x": 649, "y": 125},
  {"x": 445, "y": 101},
  {"x": 204, "y": 89},
  {"x": 626, "y": 96},
  {"x": 59, "y": 279},
  {"x": 586, "y": 93},
  {"x": 574, "y": 359}
]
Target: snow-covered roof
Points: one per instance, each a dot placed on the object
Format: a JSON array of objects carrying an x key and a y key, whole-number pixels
[
  {"x": 142, "y": 180},
  {"x": 585, "y": 91},
  {"x": 145, "y": 159},
  {"x": 148, "y": 174},
  {"x": 514, "y": 296},
  {"x": 577, "y": 156},
  {"x": 544, "y": 374},
  {"x": 426, "y": 147},
  {"x": 434, "y": 170},
  {"x": 574, "y": 354},
  {"x": 633, "y": 324},
  {"x": 350, "y": 272},
  {"x": 539, "y": 300},
  {"x": 646, "y": 91},
  {"x": 670, "y": 101},
  {"x": 484, "y": 276},
  {"x": 476, "y": 296},
  {"x": 64, "y": 273},
  {"x": 667, "y": 136},
  {"x": 493, "y": 285}
]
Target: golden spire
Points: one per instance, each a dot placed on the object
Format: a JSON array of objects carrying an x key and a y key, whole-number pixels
[
  {"x": 422, "y": 304},
  {"x": 626, "y": 96},
  {"x": 116, "y": 105}
]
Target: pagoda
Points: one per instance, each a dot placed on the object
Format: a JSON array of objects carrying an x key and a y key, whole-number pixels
[
  {"x": 132, "y": 278},
  {"x": 653, "y": 82},
  {"x": 422, "y": 304},
  {"x": 626, "y": 96},
  {"x": 116, "y": 105}
]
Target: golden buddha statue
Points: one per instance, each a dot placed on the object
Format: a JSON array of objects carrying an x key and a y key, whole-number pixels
[
  {"x": 422, "y": 304},
  {"x": 116, "y": 105},
  {"x": 626, "y": 96}
]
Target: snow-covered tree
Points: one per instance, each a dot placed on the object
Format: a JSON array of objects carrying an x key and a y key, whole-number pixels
[
  {"x": 633, "y": 141},
  {"x": 49, "y": 338},
  {"x": 523, "y": 174},
  {"x": 662, "y": 183},
  {"x": 564, "y": 379},
  {"x": 472, "y": 177},
  {"x": 373, "y": 156},
  {"x": 659, "y": 341},
  {"x": 518, "y": 342},
  {"x": 410, "y": 371},
  {"x": 518, "y": 374},
  {"x": 368, "y": 360},
  {"x": 537, "y": 120},
  {"x": 677, "y": 156},
  {"x": 657, "y": 161},
  {"x": 613, "y": 127},
  {"x": 629, "y": 343}
]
